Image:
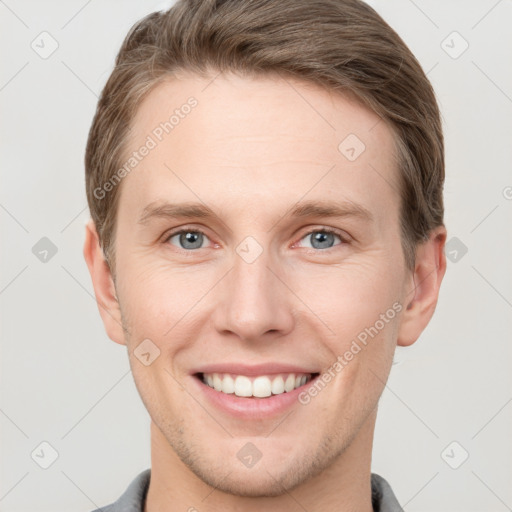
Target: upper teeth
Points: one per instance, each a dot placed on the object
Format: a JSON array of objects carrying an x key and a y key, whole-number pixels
[{"x": 261, "y": 386}]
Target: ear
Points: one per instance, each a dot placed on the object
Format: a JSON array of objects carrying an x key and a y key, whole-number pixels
[
  {"x": 103, "y": 284},
  {"x": 423, "y": 287}
]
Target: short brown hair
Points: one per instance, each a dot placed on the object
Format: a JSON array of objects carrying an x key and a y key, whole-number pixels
[{"x": 343, "y": 45}]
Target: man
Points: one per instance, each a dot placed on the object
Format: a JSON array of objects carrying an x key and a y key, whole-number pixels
[{"x": 265, "y": 184}]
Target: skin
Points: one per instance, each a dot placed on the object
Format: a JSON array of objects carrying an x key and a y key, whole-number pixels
[{"x": 251, "y": 150}]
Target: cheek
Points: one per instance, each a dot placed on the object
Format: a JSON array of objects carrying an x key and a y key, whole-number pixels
[
  {"x": 158, "y": 389},
  {"x": 343, "y": 300},
  {"x": 350, "y": 297},
  {"x": 157, "y": 295},
  {"x": 170, "y": 307},
  {"x": 360, "y": 306}
]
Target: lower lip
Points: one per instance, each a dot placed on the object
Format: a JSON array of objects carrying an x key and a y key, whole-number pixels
[{"x": 251, "y": 408}]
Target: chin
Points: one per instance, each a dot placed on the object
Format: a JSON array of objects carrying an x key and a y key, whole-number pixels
[
  {"x": 251, "y": 483},
  {"x": 273, "y": 475}
]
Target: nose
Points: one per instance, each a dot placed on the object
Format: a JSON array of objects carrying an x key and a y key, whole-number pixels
[{"x": 253, "y": 301}]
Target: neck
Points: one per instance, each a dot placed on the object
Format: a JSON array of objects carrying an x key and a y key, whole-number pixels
[{"x": 342, "y": 487}]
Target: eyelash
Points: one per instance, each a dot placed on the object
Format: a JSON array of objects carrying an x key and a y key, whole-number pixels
[{"x": 343, "y": 238}]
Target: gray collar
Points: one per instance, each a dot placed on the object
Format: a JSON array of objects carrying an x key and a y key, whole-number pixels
[{"x": 132, "y": 500}]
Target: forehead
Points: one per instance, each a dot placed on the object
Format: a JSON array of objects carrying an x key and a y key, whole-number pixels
[{"x": 258, "y": 141}]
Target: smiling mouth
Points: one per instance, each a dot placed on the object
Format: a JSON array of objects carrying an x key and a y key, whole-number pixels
[{"x": 262, "y": 386}]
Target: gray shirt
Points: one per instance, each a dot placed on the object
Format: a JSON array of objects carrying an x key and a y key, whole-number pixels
[{"x": 383, "y": 498}]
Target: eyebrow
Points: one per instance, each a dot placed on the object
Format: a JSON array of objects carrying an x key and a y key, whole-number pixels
[
  {"x": 167, "y": 210},
  {"x": 164, "y": 210}
]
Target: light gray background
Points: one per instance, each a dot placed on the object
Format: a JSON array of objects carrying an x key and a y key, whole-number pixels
[{"x": 64, "y": 382}]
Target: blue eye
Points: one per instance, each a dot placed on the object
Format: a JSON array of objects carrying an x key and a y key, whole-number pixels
[
  {"x": 321, "y": 238},
  {"x": 188, "y": 239}
]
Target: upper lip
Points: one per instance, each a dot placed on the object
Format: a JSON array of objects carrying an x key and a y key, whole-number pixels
[{"x": 269, "y": 368}]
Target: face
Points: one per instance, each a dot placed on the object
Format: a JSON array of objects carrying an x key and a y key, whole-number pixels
[{"x": 255, "y": 246}]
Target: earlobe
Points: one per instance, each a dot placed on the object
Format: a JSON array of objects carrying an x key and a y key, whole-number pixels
[
  {"x": 103, "y": 285},
  {"x": 423, "y": 288}
]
